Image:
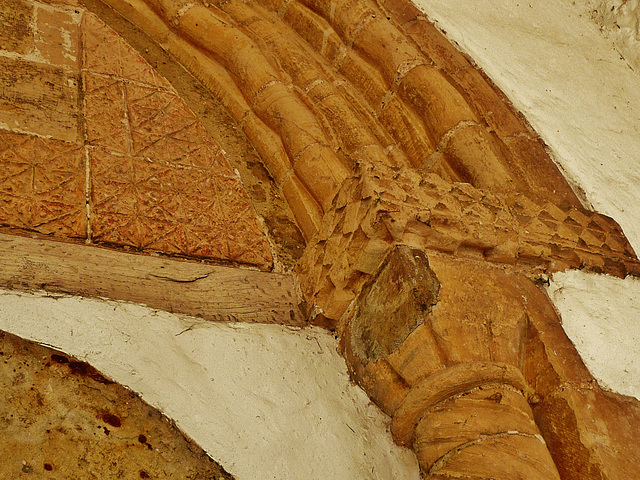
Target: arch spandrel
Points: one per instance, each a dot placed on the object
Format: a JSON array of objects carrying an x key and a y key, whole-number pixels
[{"x": 142, "y": 173}]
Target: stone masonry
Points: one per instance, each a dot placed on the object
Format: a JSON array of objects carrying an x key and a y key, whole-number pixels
[{"x": 430, "y": 210}]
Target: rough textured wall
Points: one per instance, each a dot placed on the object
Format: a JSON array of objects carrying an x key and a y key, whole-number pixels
[
  {"x": 334, "y": 107},
  {"x": 605, "y": 329},
  {"x": 266, "y": 401},
  {"x": 619, "y": 21},
  {"x": 61, "y": 418}
]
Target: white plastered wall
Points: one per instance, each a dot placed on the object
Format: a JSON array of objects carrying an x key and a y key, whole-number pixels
[
  {"x": 266, "y": 401},
  {"x": 567, "y": 77},
  {"x": 619, "y": 21}
]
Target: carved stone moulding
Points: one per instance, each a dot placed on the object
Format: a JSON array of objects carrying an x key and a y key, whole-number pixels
[
  {"x": 380, "y": 207},
  {"x": 319, "y": 89}
]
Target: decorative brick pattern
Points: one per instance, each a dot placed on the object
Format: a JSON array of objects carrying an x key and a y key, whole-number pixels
[
  {"x": 158, "y": 180},
  {"x": 106, "y": 53},
  {"x": 42, "y": 184},
  {"x": 379, "y": 134},
  {"x": 105, "y": 113},
  {"x": 145, "y": 204}
]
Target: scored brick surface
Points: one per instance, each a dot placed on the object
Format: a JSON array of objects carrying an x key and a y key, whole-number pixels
[
  {"x": 157, "y": 180},
  {"x": 42, "y": 184}
]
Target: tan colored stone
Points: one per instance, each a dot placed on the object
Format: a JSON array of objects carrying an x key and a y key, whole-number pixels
[
  {"x": 491, "y": 104},
  {"x": 444, "y": 384},
  {"x": 311, "y": 26},
  {"x": 529, "y": 157},
  {"x": 398, "y": 206},
  {"x": 476, "y": 158},
  {"x": 61, "y": 418},
  {"x": 39, "y": 98},
  {"x": 365, "y": 78},
  {"x": 352, "y": 218},
  {"x": 371, "y": 255},
  {"x": 16, "y": 18},
  {"x": 269, "y": 146},
  {"x": 395, "y": 301},
  {"x": 306, "y": 210},
  {"x": 284, "y": 113},
  {"x": 337, "y": 302},
  {"x": 393, "y": 58},
  {"x": 407, "y": 129},
  {"x": 591, "y": 433},
  {"x": 487, "y": 410},
  {"x": 298, "y": 61},
  {"x": 140, "y": 13},
  {"x": 321, "y": 172},
  {"x": 491, "y": 319},
  {"x": 57, "y": 37},
  {"x": 400, "y": 10},
  {"x": 340, "y": 273},
  {"x": 435, "y": 45},
  {"x": 500, "y": 459},
  {"x": 381, "y": 382},
  {"x": 440, "y": 104},
  {"x": 418, "y": 356},
  {"x": 475, "y": 417},
  {"x": 383, "y": 385},
  {"x": 347, "y": 17}
]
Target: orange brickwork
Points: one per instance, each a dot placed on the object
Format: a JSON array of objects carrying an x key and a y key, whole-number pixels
[{"x": 157, "y": 181}]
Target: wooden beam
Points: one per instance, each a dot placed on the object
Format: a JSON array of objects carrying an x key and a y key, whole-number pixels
[{"x": 207, "y": 291}]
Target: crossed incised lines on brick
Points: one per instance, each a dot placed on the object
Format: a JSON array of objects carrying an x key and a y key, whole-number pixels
[
  {"x": 156, "y": 178},
  {"x": 158, "y": 181},
  {"x": 42, "y": 185}
]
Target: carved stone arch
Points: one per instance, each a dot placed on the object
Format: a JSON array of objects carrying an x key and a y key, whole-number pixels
[{"x": 395, "y": 157}]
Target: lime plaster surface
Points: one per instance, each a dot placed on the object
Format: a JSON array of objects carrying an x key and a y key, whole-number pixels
[
  {"x": 571, "y": 84},
  {"x": 266, "y": 401},
  {"x": 619, "y": 21},
  {"x": 601, "y": 316}
]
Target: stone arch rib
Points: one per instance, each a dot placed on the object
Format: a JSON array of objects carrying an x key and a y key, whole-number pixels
[{"x": 319, "y": 87}]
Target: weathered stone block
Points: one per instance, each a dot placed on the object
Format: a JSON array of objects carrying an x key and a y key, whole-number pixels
[
  {"x": 435, "y": 45},
  {"x": 57, "y": 38},
  {"x": 16, "y": 34},
  {"x": 394, "y": 302},
  {"x": 38, "y": 98}
]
